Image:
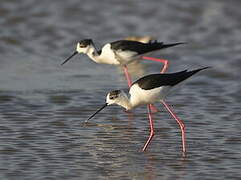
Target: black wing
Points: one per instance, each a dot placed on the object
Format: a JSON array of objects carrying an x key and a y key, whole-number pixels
[
  {"x": 140, "y": 48},
  {"x": 157, "y": 80}
]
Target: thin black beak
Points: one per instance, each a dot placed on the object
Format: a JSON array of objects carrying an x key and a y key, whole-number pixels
[
  {"x": 97, "y": 112},
  {"x": 69, "y": 57}
]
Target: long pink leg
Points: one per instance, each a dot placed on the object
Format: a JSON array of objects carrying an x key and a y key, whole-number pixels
[
  {"x": 151, "y": 128},
  {"x": 163, "y": 70},
  {"x": 180, "y": 122},
  {"x": 166, "y": 62},
  {"x": 128, "y": 77}
]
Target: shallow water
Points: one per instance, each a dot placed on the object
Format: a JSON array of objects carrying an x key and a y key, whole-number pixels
[{"x": 43, "y": 104}]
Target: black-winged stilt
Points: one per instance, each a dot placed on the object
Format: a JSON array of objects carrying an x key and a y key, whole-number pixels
[
  {"x": 121, "y": 52},
  {"x": 148, "y": 90}
]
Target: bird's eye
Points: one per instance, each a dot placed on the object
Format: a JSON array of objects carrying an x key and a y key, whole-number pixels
[{"x": 111, "y": 97}]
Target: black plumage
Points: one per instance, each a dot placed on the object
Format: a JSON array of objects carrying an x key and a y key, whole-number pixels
[
  {"x": 157, "y": 80},
  {"x": 140, "y": 48}
]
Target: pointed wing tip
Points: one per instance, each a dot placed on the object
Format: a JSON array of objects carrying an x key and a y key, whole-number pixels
[{"x": 207, "y": 67}]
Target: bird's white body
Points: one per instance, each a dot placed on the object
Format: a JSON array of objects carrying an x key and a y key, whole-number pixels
[
  {"x": 139, "y": 96},
  {"x": 108, "y": 56}
]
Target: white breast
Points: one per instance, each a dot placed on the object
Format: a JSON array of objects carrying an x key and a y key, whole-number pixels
[
  {"x": 119, "y": 57},
  {"x": 140, "y": 96},
  {"x": 107, "y": 56}
]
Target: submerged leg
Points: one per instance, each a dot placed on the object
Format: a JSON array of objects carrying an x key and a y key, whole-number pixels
[
  {"x": 151, "y": 128},
  {"x": 180, "y": 123},
  {"x": 128, "y": 77},
  {"x": 166, "y": 62},
  {"x": 153, "y": 109}
]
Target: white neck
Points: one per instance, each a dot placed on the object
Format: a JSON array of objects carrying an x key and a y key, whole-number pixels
[
  {"x": 93, "y": 54},
  {"x": 125, "y": 102}
]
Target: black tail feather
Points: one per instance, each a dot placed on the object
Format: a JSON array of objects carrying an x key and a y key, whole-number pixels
[
  {"x": 197, "y": 70},
  {"x": 171, "y": 79},
  {"x": 183, "y": 75}
]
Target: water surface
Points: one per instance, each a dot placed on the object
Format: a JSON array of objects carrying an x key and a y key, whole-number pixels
[{"x": 43, "y": 104}]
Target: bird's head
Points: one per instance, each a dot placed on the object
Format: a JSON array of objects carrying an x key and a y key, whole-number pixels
[
  {"x": 83, "y": 46},
  {"x": 113, "y": 97}
]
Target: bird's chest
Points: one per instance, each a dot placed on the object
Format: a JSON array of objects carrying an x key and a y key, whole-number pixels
[
  {"x": 108, "y": 56},
  {"x": 140, "y": 96},
  {"x": 117, "y": 56}
]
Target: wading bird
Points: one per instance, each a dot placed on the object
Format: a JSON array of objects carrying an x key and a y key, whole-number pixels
[
  {"x": 148, "y": 90},
  {"x": 121, "y": 53}
]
